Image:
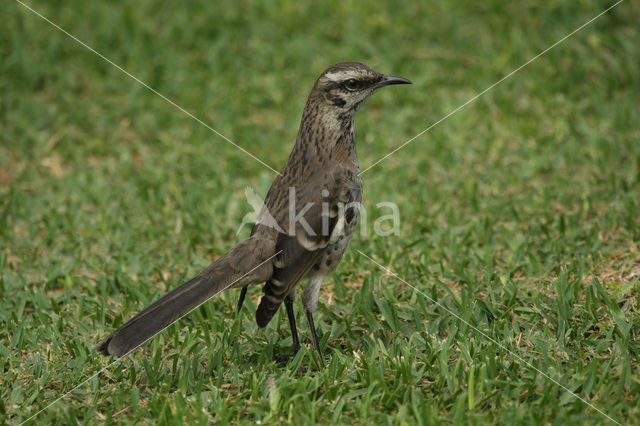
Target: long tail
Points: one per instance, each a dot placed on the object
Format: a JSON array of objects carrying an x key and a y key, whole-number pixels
[{"x": 248, "y": 262}]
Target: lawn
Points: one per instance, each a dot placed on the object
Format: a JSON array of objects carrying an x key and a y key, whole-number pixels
[{"x": 518, "y": 247}]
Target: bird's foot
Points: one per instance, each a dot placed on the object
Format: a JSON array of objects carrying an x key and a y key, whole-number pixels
[{"x": 283, "y": 358}]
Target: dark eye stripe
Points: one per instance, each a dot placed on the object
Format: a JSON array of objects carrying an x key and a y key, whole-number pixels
[
  {"x": 352, "y": 84},
  {"x": 360, "y": 83}
]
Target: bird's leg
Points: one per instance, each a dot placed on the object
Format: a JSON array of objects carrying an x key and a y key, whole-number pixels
[
  {"x": 318, "y": 355},
  {"x": 288, "y": 304},
  {"x": 243, "y": 293}
]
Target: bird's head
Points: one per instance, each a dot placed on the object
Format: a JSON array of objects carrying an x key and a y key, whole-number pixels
[{"x": 346, "y": 85}]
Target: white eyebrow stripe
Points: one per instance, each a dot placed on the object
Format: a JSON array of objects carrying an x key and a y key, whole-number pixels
[{"x": 340, "y": 75}]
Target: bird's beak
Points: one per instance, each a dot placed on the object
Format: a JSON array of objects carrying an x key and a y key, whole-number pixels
[{"x": 388, "y": 80}]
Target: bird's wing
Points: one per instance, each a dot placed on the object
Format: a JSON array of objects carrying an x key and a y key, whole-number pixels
[{"x": 322, "y": 203}]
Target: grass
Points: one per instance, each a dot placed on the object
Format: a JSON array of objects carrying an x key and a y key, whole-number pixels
[{"x": 519, "y": 213}]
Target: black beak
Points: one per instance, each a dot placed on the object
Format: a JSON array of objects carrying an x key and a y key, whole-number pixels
[{"x": 388, "y": 80}]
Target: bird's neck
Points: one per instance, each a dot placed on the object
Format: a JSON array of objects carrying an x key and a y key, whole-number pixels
[{"x": 327, "y": 134}]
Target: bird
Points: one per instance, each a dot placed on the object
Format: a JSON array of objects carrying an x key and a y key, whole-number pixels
[{"x": 307, "y": 220}]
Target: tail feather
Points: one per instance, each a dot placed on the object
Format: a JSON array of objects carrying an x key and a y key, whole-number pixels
[{"x": 246, "y": 263}]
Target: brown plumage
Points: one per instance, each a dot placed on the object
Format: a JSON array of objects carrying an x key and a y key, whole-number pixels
[{"x": 308, "y": 218}]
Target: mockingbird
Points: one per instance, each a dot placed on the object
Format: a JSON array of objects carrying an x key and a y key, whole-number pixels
[{"x": 308, "y": 218}]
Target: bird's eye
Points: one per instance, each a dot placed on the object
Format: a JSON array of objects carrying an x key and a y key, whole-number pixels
[{"x": 352, "y": 84}]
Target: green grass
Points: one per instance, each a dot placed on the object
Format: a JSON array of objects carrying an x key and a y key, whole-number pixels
[{"x": 520, "y": 213}]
